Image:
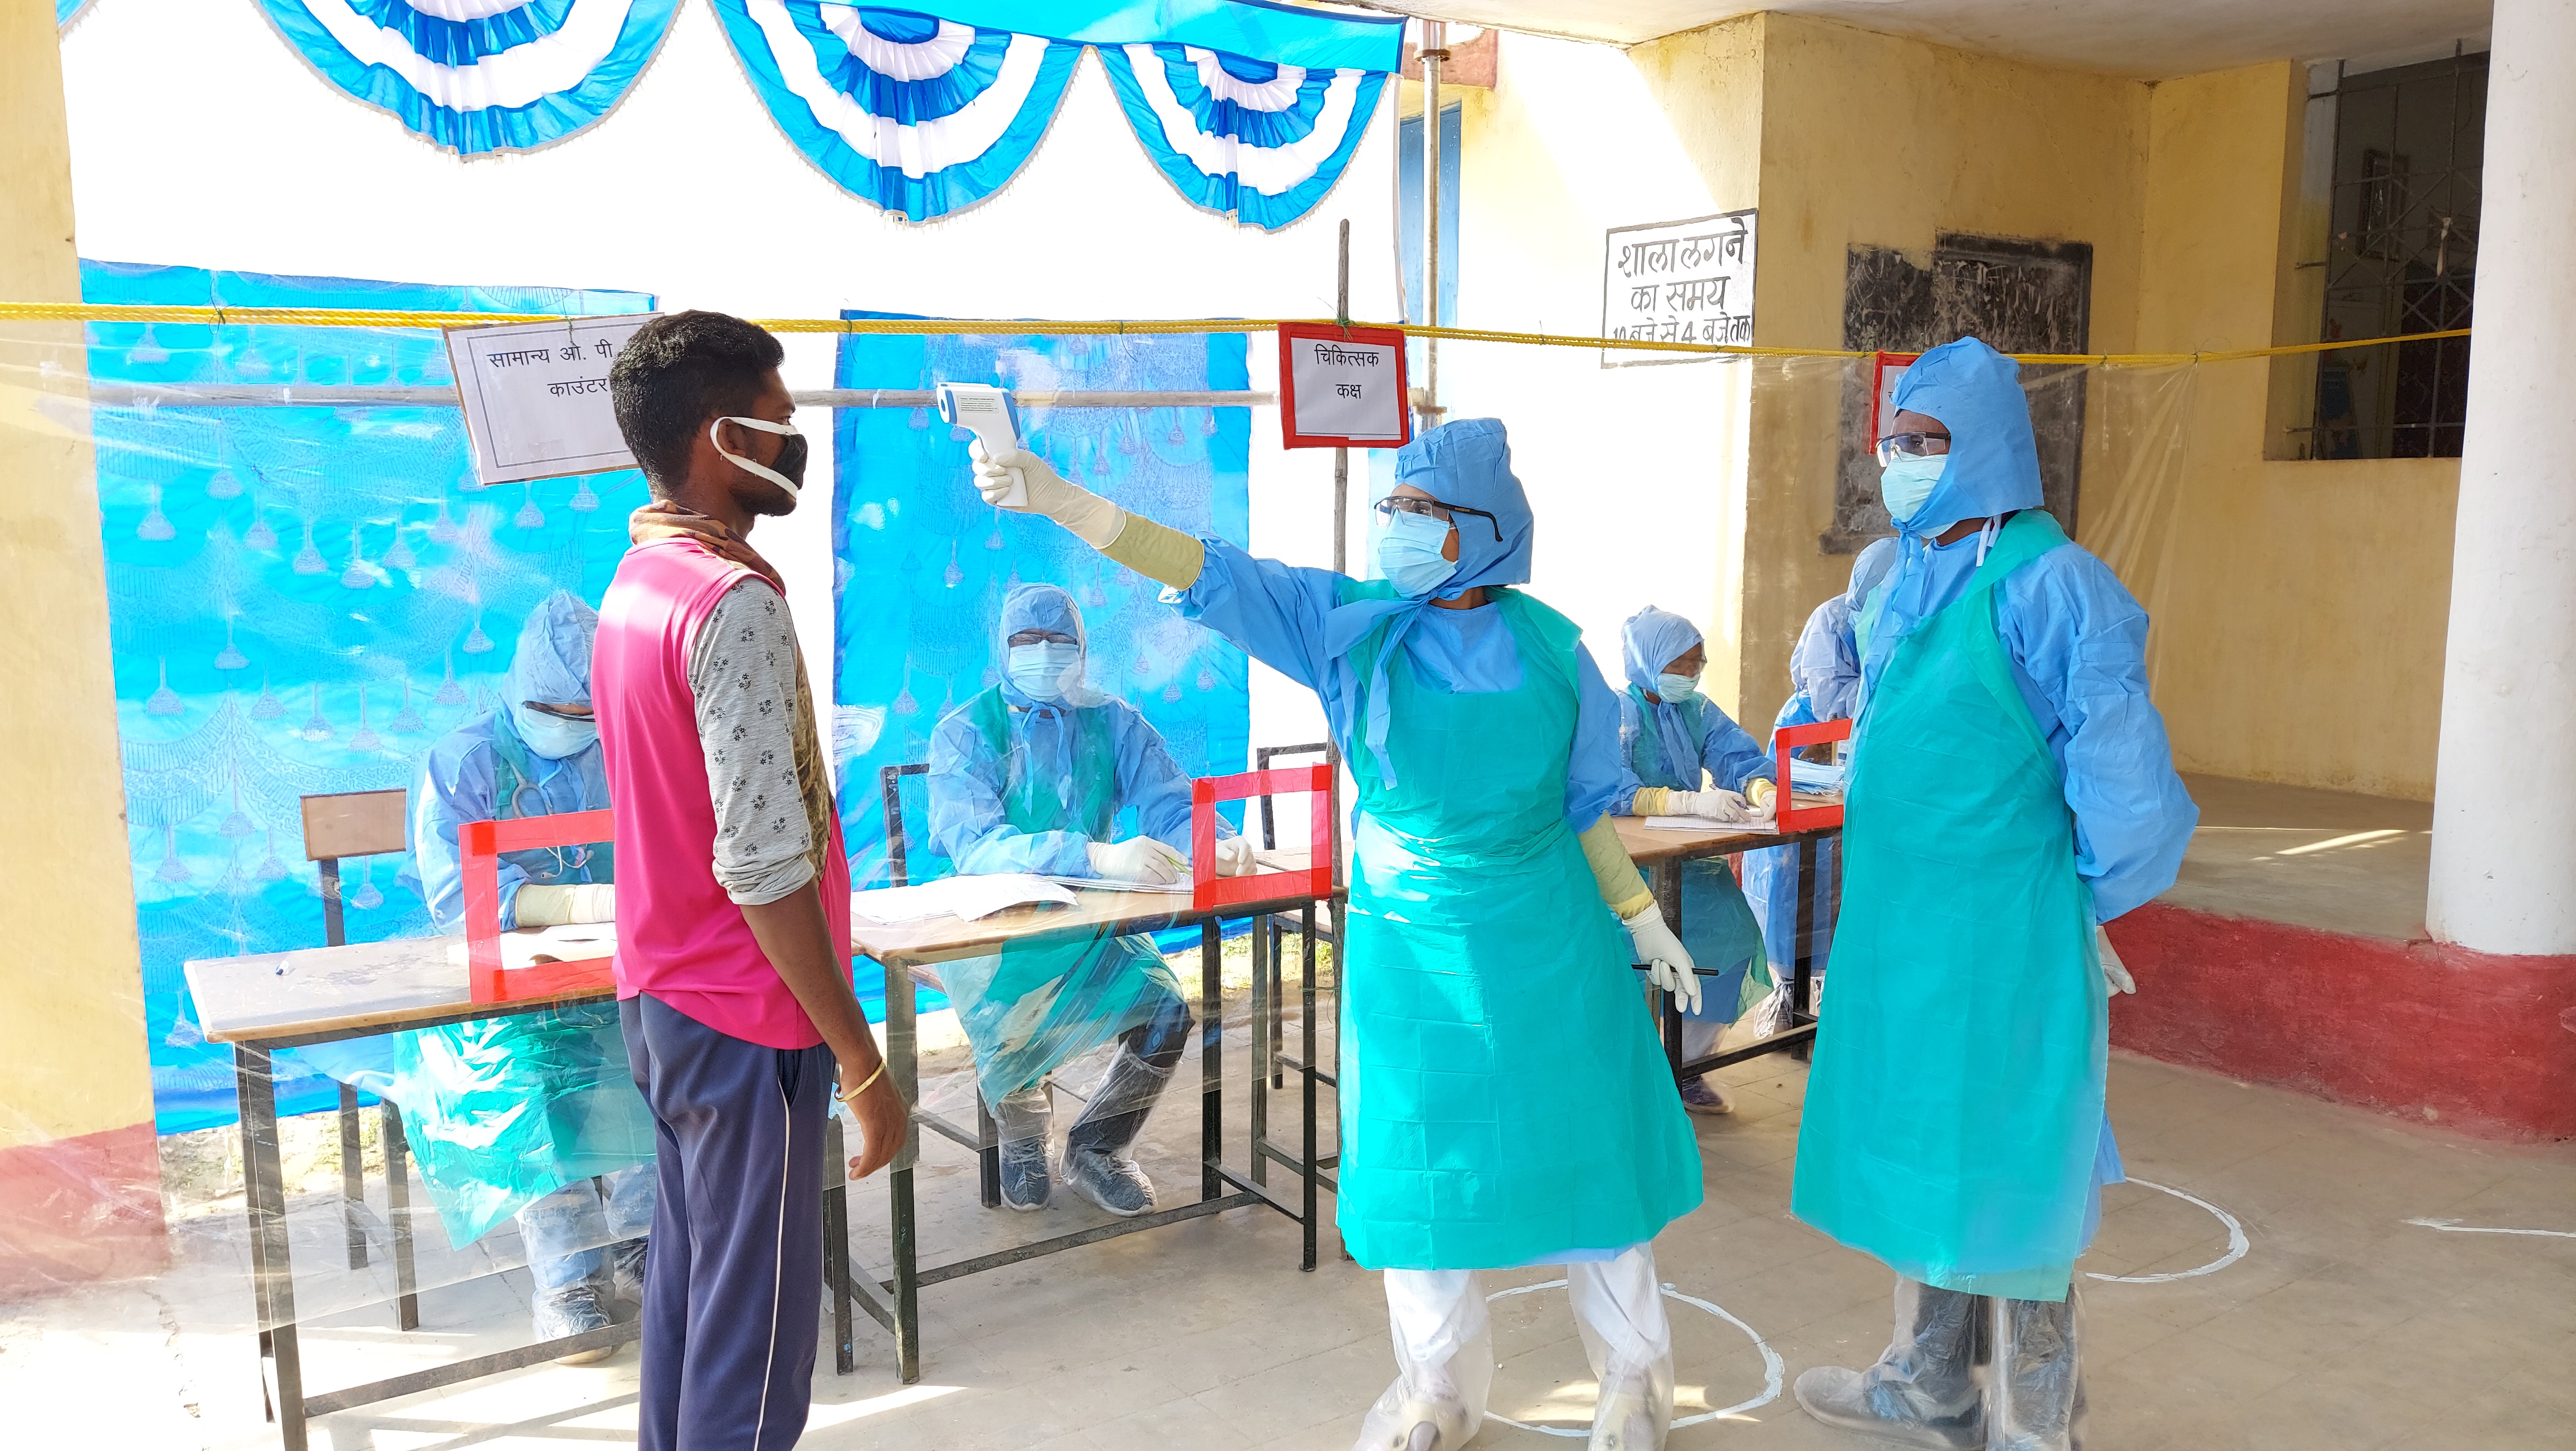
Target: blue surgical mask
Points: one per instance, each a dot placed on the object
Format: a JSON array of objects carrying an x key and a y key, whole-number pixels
[
  {"x": 553, "y": 736},
  {"x": 1040, "y": 671},
  {"x": 1677, "y": 688},
  {"x": 1905, "y": 484},
  {"x": 1408, "y": 554}
]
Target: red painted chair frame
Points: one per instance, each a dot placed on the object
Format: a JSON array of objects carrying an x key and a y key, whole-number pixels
[
  {"x": 1208, "y": 891},
  {"x": 482, "y": 843},
  {"x": 1788, "y": 739}
]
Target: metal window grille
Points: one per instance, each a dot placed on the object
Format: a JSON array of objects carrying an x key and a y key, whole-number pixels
[{"x": 2401, "y": 258}]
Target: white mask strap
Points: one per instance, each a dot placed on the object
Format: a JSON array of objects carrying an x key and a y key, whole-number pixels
[{"x": 766, "y": 472}]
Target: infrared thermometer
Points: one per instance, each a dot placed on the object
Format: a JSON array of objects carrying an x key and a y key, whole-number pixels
[{"x": 993, "y": 416}]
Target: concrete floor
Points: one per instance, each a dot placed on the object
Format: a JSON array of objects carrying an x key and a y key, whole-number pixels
[
  {"x": 2342, "y": 1325},
  {"x": 2326, "y": 859}
]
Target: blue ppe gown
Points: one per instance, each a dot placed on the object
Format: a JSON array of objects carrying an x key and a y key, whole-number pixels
[
  {"x": 2071, "y": 656},
  {"x": 1668, "y": 743},
  {"x": 1024, "y": 785},
  {"x": 1504, "y": 1098}
]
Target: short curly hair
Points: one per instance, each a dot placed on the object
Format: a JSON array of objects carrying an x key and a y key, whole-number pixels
[{"x": 677, "y": 372}]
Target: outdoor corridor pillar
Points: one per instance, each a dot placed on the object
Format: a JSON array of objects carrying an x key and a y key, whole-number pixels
[{"x": 2504, "y": 796}]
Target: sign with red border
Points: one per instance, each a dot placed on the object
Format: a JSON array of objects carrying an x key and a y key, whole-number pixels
[{"x": 1342, "y": 387}]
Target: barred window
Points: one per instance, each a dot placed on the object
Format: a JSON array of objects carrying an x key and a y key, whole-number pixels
[{"x": 2401, "y": 258}]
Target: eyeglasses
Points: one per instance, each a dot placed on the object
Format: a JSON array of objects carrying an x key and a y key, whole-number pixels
[
  {"x": 1394, "y": 504},
  {"x": 1911, "y": 445},
  {"x": 1041, "y": 637}
]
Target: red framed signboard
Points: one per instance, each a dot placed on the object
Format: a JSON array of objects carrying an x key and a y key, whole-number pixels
[
  {"x": 1342, "y": 387},
  {"x": 1786, "y": 741},
  {"x": 482, "y": 842},
  {"x": 1208, "y": 891}
]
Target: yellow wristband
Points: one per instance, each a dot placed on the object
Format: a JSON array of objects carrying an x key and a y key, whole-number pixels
[{"x": 868, "y": 1084}]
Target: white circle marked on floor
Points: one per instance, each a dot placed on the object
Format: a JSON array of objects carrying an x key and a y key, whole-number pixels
[
  {"x": 1772, "y": 1367},
  {"x": 2237, "y": 1244}
]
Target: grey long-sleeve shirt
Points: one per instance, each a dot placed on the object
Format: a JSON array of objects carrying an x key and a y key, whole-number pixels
[{"x": 743, "y": 671}]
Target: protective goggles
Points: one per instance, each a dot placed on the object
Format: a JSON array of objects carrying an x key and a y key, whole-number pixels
[
  {"x": 1911, "y": 445},
  {"x": 1394, "y": 504}
]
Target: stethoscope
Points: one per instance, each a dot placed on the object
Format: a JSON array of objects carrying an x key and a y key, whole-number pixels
[{"x": 580, "y": 859}]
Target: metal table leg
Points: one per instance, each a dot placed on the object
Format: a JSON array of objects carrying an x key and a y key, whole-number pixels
[
  {"x": 353, "y": 1180},
  {"x": 901, "y": 1047},
  {"x": 1211, "y": 1058},
  {"x": 1265, "y": 1025},
  {"x": 836, "y": 1243},
  {"x": 988, "y": 1153},
  {"x": 1307, "y": 1091},
  {"x": 272, "y": 1272},
  {"x": 398, "y": 1214},
  {"x": 1664, "y": 880},
  {"x": 1801, "y": 972}
]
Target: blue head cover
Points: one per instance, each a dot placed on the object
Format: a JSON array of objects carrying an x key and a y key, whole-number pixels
[
  {"x": 1653, "y": 639},
  {"x": 1044, "y": 607},
  {"x": 553, "y": 661},
  {"x": 1994, "y": 460},
  {"x": 1467, "y": 463}
]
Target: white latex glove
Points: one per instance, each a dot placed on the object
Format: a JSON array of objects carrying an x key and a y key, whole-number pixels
[
  {"x": 1668, "y": 963},
  {"x": 1138, "y": 859},
  {"x": 2115, "y": 973},
  {"x": 1234, "y": 856},
  {"x": 1093, "y": 518},
  {"x": 1763, "y": 798},
  {"x": 1714, "y": 805},
  {"x": 537, "y": 905}
]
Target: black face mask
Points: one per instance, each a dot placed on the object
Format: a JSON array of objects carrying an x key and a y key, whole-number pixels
[{"x": 791, "y": 459}]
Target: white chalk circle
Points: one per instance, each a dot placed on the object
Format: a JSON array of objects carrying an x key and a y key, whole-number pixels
[
  {"x": 2455, "y": 1227},
  {"x": 1772, "y": 1368},
  {"x": 2237, "y": 1244}
]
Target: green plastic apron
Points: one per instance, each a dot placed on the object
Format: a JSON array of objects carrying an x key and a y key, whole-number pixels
[
  {"x": 1035, "y": 1006},
  {"x": 504, "y": 1111},
  {"x": 1955, "y": 1106},
  {"x": 1503, "y": 1095}
]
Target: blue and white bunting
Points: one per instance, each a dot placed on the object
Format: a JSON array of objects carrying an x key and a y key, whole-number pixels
[
  {"x": 1256, "y": 141},
  {"x": 922, "y": 116},
  {"x": 66, "y": 11},
  {"x": 479, "y": 76}
]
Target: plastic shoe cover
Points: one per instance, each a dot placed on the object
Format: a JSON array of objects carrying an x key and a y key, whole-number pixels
[
  {"x": 626, "y": 1270},
  {"x": 1111, "y": 1181},
  {"x": 570, "y": 1312},
  {"x": 1444, "y": 1360},
  {"x": 2035, "y": 1388},
  {"x": 1116, "y": 1113},
  {"x": 1699, "y": 1095},
  {"x": 1619, "y": 1311},
  {"x": 1923, "y": 1391},
  {"x": 1023, "y": 1120},
  {"x": 1401, "y": 1423}
]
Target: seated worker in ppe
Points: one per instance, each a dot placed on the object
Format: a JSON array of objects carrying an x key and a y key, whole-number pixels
[
  {"x": 1824, "y": 673},
  {"x": 1032, "y": 776},
  {"x": 1504, "y": 1101},
  {"x": 532, "y": 1113},
  {"x": 2011, "y": 788},
  {"x": 1669, "y": 733}
]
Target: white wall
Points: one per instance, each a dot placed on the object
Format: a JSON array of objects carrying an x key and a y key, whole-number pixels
[{"x": 200, "y": 138}]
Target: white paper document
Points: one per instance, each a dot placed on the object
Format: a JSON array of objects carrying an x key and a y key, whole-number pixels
[
  {"x": 1112, "y": 884},
  {"x": 1710, "y": 823},
  {"x": 965, "y": 898}
]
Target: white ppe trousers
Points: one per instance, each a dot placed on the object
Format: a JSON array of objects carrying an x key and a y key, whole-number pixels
[{"x": 1444, "y": 1351}]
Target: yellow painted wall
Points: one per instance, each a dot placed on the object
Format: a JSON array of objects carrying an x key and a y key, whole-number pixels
[
  {"x": 2300, "y": 606},
  {"x": 1877, "y": 140},
  {"x": 72, "y": 1054}
]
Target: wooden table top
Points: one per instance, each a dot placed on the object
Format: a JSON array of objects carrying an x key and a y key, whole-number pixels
[
  {"x": 1648, "y": 846},
  {"x": 1093, "y": 914}
]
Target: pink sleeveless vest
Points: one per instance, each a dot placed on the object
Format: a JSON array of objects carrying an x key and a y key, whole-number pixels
[{"x": 679, "y": 937}]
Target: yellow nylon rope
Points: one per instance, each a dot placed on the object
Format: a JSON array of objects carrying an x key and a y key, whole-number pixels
[{"x": 360, "y": 318}]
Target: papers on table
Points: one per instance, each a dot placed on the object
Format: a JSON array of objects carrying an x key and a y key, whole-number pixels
[
  {"x": 1816, "y": 775},
  {"x": 1710, "y": 823},
  {"x": 572, "y": 942},
  {"x": 1108, "y": 884},
  {"x": 965, "y": 898}
]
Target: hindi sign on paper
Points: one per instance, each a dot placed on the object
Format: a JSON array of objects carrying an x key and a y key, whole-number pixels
[
  {"x": 1678, "y": 282},
  {"x": 536, "y": 395},
  {"x": 1342, "y": 387}
]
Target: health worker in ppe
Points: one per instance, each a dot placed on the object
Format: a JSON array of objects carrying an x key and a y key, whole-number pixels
[
  {"x": 2011, "y": 789},
  {"x": 1672, "y": 742},
  {"x": 1504, "y": 1100},
  {"x": 534, "y": 1114},
  {"x": 1824, "y": 676},
  {"x": 1033, "y": 775}
]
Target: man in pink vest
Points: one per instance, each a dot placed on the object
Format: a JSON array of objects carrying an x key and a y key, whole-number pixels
[{"x": 733, "y": 895}]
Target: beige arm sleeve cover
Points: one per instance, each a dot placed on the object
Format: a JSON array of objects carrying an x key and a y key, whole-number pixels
[
  {"x": 1613, "y": 872},
  {"x": 1651, "y": 801},
  {"x": 1158, "y": 552}
]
